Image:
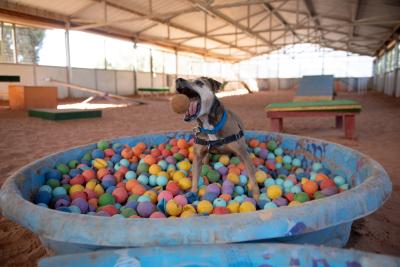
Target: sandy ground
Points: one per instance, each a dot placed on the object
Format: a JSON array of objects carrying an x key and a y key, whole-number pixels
[{"x": 25, "y": 139}]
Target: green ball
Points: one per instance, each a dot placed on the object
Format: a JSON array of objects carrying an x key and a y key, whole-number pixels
[
  {"x": 73, "y": 163},
  {"x": 215, "y": 157},
  {"x": 67, "y": 187},
  {"x": 318, "y": 195},
  {"x": 301, "y": 197},
  {"x": 179, "y": 156},
  {"x": 143, "y": 167},
  {"x": 87, "y": 156},
  {"x": 133, "y": 197},
  {"x": 213, "y": 176},
  {"x": 103, "y": 145},
  {"x": 272, "y": 145},
  {"x": 287, "y": 166},
  {"x": 62, "y": 168},
  {"x": 127, "y": 212},
  {"x": 168, "y": 147},
  {"x": 235, "y": 160},
  {"x": 204, "y": 170},
  {"x": 53, "y": 183},
  {"x": 106, "y": 199}
]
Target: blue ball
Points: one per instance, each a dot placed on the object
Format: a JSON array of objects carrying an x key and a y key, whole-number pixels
[
  {"x": 66, "y": 209},
  {"x": 191, "y": 197},
  {"x": 239, "y": 190},
  {"x": 74, "y": 172},
  {"x": 278, "y": 165},
  {"x": 143, "y": 179},
  {"x": 316, "y": 166},
  {"x": 278, "y": 151},
  {"x": 43, "y": 197},
  {"x": 279, "y": 181},
  {"x": 110, "y": 189},
  {"x": 210, "y": 196},
  {"x": 243, "y": 180},
  {"x": 261, "y": 203},
  {"x": 271, "y": 155},
  {"x": 257, "y": 150},
  {"x": 339, "y": 180},
  {"x": 46, "y": 188},
  {"x": 143, "y": 198},
  {"x": 59, "y": 191},
  {"x": 287, "y": 183},
  {"x": 98, "y": 153},
  {"x": 295, "y": 189},
  {"x": 287, "y": 159},
  {"x": 133, "y": 166},
  {"x": 162, "y": 180},
  {"x": 75, "y": 209},
  {"x": 153, "y": 180},
  {"x": 219, "y": 202},
  {"x": 269, "y": 181},
  {"x": 171, "y": 167},
  {"x": 116, "y": 158},
  {"x": 218, "y": 165},
  {"x": 117, "y": 147},
  {"x": 117, "y": 166},
  {"x": 117, "y": 205},
  {"x": 240, "y": 198},
  {"x": 270, "y": 205},
  {"x": 130, "y": 175},
  {"x": 53, "y": 174},
  {"x": 296, "y": 162},
  {"x": 163, "y": 164},
  {"x": 124, "y": 162}
]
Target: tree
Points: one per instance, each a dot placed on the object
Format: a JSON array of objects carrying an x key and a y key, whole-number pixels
[
  {"x": 29, "y": 43},
  {"x": 6, "y": 43}
]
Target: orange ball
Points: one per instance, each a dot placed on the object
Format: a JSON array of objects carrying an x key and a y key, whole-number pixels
[
  {"x": 327, "y": 183},
  {"x": 182, "y": 144},
  {"x": 94, "y": 202},
  {"x": 155, "y": 153},
  {"x": 320, "y": 177},
  {"x": 310, "y": 187},
  {"x": 225, "y": 197},
  {"x": 89, "y": 175},
  {"x": 184, "y": 152},
  {"x": 137, "y": 151},
  {"x": 102, "y": 172},
  {"x": 149, "y": 159},
  {"x": 235, "y": 170},
  {"x": 130, "y": 184},
  {"x": 254, "y": 143},
  {"x": 174, "y": 149},
  {"x": 127, "y": 153},
  {"x": 142, "y": 146},
  {"x": 138, "y": 189}
]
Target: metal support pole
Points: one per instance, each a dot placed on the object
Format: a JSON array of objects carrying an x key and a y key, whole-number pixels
[
  {"x": 14, "y": 34},
  {"x": 151, "y": 68},
  {"x": 135, "y": 71},
  {"x": 68, "y": 57}
]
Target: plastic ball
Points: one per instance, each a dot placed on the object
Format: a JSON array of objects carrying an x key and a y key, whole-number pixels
[
  {"x": 301, "y": 197},
  {"x": 145, "y": 209},
  {"x": 181, "y": 200},
  {"x": 157, "y": 215},
  {"x": 224, "y": 159},
  {"x": 43, "y": 197},
  {"x": 213, "y": 176},
  {"x": 247, "y": 206},
  {"x": 261, "y": 176},
  {"x": 339, "y": 180},
  {"x": 162, "y": 180},
  {"x": 185, "y": 183},
  {"x": 204, "y": 207},
  {"x": 120, "y": 195},
  {"x": 310, "y": 187},
  {"x": 106, "y": 199},
  {"x": 327, "y": 183},
  {"x": 233, "y": 207},
  {"x": 103, "y": 145},
  {"x": 76, "y": 188},
  {"x": 143, "y": 179},
  {"x": 184, "y": 165},
  {"x": 187, "y": 214},
  {"x": 274, "y": 191},
  {"x": 173, "y": 208},
  {"x": 234, "y": 178},
  {"x": 270, "y": 205},
  {"x": 143, "y": 198},
  {"x": 60, "y": 191},
  {"x": 219, "y": 202},
  {"x": 316, "y": 166}
]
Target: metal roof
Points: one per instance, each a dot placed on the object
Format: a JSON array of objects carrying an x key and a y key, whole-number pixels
[{"x": 227, "y": 29}]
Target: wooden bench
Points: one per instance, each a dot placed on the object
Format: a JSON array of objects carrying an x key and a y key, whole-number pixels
[{"x": 344, "y": 111}]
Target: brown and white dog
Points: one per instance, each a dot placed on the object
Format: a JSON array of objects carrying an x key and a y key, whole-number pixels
[{"x": 219, "y": 130}]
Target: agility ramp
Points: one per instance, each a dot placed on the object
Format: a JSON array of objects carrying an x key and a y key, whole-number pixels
[{"x": 315, "y": 88}]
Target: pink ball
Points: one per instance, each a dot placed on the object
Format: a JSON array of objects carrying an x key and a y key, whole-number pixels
[
  {"x": 120, "y": 194},
  {"x": 157, "y": 215},
  {"x": 181, "y": 200},
  {"x": 166, "y": 195},
  {"x": 90, "y": 193},
  {"x": 145, "y": 209}
]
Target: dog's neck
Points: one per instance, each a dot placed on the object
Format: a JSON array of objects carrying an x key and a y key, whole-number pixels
[{"x": 211, "y": 119}]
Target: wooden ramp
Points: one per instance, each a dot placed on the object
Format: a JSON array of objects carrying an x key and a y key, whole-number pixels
[
  {"x": 315, "y": 88},
  {"x": 64, "y": 114}
]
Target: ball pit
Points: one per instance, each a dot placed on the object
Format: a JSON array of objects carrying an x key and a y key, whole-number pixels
[{"x": 284, "y": 208}]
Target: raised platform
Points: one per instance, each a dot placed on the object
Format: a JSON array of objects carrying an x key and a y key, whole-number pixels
[{"x": 64, "y": 114}]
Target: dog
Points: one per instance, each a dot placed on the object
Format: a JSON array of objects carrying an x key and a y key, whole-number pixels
[{"x": 218, "y": 129}]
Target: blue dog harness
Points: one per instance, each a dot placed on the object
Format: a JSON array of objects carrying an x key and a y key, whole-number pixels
[{"x": 217, "y": 128}]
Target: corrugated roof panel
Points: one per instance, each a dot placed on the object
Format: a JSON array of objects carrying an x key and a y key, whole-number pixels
[
  {"x": 58, "y": 6},
  {"x": 159, "y": 31},
  {"x": 136, "y": 26},
  {"x": 162, "y": 6},
  {"x": 193, "y": 20}
]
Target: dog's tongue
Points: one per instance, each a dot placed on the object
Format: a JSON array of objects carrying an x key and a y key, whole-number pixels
[{"x": 192, "y": 108}]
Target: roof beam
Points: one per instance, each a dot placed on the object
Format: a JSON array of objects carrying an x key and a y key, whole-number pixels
[
  {"x": 313, "y": 15},
  {"x": 229, "y": 20},
  {"x": 355, "y": 16}
]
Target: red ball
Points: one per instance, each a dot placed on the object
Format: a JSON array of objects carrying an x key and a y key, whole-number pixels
[
  {"x": 110, "y": 209},
  {"x": 173, "y": 187},
  {"x": 89, "y": 175},
  {"x": 79, "y": 179},
  {"x": 289, "y": 196},
  {"x": 79, "y": 194},
  {"x": 120, "y": 194},
  {"x": 157, "y": 215},
  {"x": 166, "y": 153},
  {"x": 220, "y": 210},
  {"x": 327, "y": 183},
  {"x": 109, "y": 152}
]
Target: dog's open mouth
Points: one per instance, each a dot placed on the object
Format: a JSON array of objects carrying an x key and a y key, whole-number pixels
[{"x": 195, "y": 103}]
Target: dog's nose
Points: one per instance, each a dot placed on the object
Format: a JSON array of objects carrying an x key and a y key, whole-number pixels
[{"x": 180, "y": 82}]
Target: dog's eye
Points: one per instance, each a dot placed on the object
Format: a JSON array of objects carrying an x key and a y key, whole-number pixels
[{"x": 199, "y": 83}]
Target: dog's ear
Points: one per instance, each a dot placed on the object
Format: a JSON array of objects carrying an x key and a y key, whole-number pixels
[{"x": 215, "y": 85}]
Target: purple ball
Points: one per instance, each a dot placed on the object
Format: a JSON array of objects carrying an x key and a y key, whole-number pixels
[
  {"x": 65, "y": 179},
  {"x": 223, "y": 170},
  {"x": 280, "y": 201},
  {"x": 145, "y": 209},
  {"x": 210, "y": 196},
  {"x": 61, "y": 203},
  {"x": 132, "y": 205},
  {"x": 263, "y": 153},
  {"x": 81, "y": 204},
  {"x": 92, "y": 208},
  {"x": 228, "y": 183},
  {"x": 249, "y": 199},
  {"x": 170, "y": 160},
  {"x": 329, "y": 191},
  {"x": 227, "y": 190},
  {"x": 108, "y": 180},
  {"x": 213, "y": 188}
]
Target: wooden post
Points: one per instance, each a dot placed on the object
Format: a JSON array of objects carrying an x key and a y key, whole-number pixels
[
  {"x": 349, "y": 126},
  {"x": 276, "y": 124},
  {"x": 339, "y": 122}
]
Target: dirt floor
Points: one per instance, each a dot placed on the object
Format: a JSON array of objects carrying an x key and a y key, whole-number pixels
[{"x": 25, "y": 139}]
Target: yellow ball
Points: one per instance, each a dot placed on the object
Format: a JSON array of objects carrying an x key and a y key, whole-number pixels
[
  {"x": 98, "y": 189},
  {"x": 295, "y": 203},
  {"x": 189, "y": 207},
  {"x": 191, "y": 149},
  {"x": 233, "y": 177},
  {"x": 165, "y": 174},
  {"x": 76, "y": 188},
  {"x": 278, "y": 159},
  {"x": 233, "y": 207},
  {"x": 91, "y": 184},
  {"x": 177, "y": 176},
  {"x": 202, "y": 191},
  {"x": 304, "y": 180},
  {"x": 247, "y": 207},
  {"x": 180, "y": 103},
  {"x": 261, "y": 176},
  {"x": 204, "y": 206},
  {"x": 154, "y": 169},
  {"x": 252, "y": 155},
  {"x": 224, "y": 159},
  {"x": 173, "y": 208},
  {"x": 152, "y": 195},
  {"x": 187, "y": 214},
  {"x": 100, "y": 163},
  {"x": 185, "y": 183},
  {"x": 184, "y": 165},
  {"x": 274, "y": 191}
]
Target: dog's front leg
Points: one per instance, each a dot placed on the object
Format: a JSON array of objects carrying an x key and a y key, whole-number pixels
[
  {"x": 199, "y": 153},
  {"x": 240, "y": 149}
]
